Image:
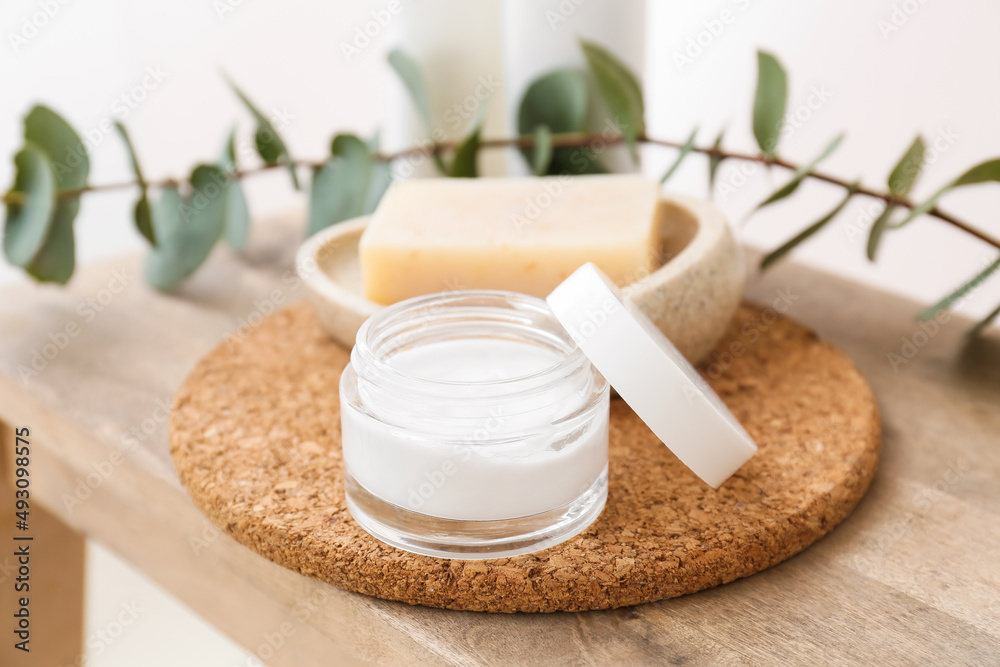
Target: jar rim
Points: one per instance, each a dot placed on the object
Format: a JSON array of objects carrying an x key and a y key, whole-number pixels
[{"x": 392, "y": 318}]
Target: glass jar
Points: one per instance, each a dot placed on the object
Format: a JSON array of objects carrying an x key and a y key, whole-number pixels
[{"x": 473, "y": 427}]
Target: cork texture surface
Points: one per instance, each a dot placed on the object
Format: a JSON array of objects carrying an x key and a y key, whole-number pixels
[{"x": 255, "y": 439}]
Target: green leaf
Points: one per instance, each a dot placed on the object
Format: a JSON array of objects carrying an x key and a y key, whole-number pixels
[
  {"x": 769, "y": 102},
  {"x": 187, "y": 227},
  {"x": 775, "y": 255},
  {"x": 878, "y": 227},
  {"x": 800, "y": 174},
  {"x": 714, "y": 161},
  {"x": 332, "y": 197},
  {"x": 684, "y": 151},
  {"x": 983, "y": 323},
  {"x": 905, "y": 173},
  {"x": 621, "y": 92},
  {"x": 142, "y": 215},
  {"x": 350, "y": 146},
  {"x": 268, "y": 148},
  {"x": 900, "y": 182},
  {"x": 413, "y": 79},
  {"x": 559, "y": 101},
  {"x": 227, "y": 161},
  {"x": 163, "y": 264},
  {"x": 123, "y": 132},
  {"x": 269, "y": 143},
  {"x": 236, "y": 226},
  {"x": 381, "y": 179},
  {"x": 981, "y": 173},
  {"x": 949, "y": 300},
  {"x": 56, "y": 259},
  {"x": 463, "y": 165},
  {"x": 543, "y": 150},
  {"x": 48, "y": 131},
  {"x": 340, "y": 187},
  {"x": 28, "y": 223},
  {"x": 409, "y": 72}
]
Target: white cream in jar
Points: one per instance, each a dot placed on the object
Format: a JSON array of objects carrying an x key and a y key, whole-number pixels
[{"x": 473, "y": 427}]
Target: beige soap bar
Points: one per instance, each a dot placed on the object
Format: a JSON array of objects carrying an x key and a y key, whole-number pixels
[{"x": 519, "y": 234}]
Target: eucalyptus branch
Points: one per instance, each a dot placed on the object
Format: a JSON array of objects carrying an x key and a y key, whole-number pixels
[
  {"x": 566, "y": 140},
  {"x": 190, "y": 215}
]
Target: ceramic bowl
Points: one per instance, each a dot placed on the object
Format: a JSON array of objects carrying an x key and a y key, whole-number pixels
[{"x": 691, "y": 297}]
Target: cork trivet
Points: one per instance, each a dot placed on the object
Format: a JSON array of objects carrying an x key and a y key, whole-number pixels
[{"x": 255, "y": 437}]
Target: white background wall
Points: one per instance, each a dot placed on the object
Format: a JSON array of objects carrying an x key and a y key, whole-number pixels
[{"x": 935, "y": 74}]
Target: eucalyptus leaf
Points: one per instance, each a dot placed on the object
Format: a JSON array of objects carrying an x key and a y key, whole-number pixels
[
  {"x": 906, "y": 171},
  {"x": 900, "y": 182},
  {"x": 350, "y": 146},
  {"x": 381, "y": 179},
  {"x": 786, "y": 247},
  {"x": 56, "y": 259},
  {"x": 714, "y": 161},
  {"x": 684, "y": 151},
  {"x": 464, "y": 164},
  {"x": 409, "y": 73},
  {"x": 270, "y": 146},
  {"x": 338, "y": 193},
  {"x": 878, "y": 228},
  {"x": 163, "y": 264},
  {"x": 227, "y": 160},
  {"x": 983, "y": 323},
  {"x": 949, "y": 301},
  {"x": 801, "y": 173},
  {"x": 769, "y": 103},
  {"x": 982, "y": 173},
  {"x": 620, "y": 90},
  {"x": 187, "y": 227},
  {"x": 28, "y": 223},
  {"x": 340, "y": 187},
  {"x": 559, "y": 101},
  {"x": 543, "y": 150},
  {"x": 329, "y": 198},
  {"x": 47, "y": 130},
  {"x": 141, "y": 213},
  {"x": 136, "y": 169},
  {"x": 236, "y": 225},
  {"x": 413, "y": 79}
]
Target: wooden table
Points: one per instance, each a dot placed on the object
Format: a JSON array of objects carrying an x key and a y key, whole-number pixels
[{"x": 912, "y": 577}]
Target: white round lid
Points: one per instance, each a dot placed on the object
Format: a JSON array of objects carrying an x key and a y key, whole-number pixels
[{"x": 651, "y": 375}]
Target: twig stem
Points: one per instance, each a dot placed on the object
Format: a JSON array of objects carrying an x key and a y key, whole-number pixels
[{"x": 569, "y": 140}]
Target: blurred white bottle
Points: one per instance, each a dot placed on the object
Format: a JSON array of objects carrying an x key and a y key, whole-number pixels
[
  {"x": 458, "y": 47},
  {"x": 542, "y": 35}
]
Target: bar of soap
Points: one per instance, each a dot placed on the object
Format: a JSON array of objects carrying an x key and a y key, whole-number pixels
[{"x": 520, "y": 234}]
